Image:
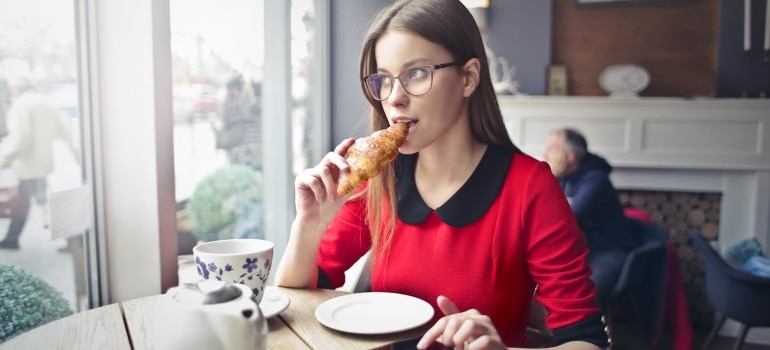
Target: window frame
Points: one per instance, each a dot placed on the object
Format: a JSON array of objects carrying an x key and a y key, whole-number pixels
[{"x": 113, "y": 264}]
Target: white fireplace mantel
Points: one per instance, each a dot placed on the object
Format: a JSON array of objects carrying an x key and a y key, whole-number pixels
[
  {"x": 650, "y": 132},
  {"x": 709, "y": 145}
]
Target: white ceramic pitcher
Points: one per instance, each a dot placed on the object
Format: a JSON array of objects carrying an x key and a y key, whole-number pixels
[{"x": 210, "y": 315}]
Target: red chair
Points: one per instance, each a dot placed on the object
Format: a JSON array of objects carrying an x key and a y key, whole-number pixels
[{"x": 638, "y": 214}]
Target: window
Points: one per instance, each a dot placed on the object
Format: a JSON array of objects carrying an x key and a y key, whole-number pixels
[
  {"x": 217, "y": 73},
  {"x": 39, "y": 67},
  {"x": 114, "y": 95},
  {"x": 227, "y": 109}
]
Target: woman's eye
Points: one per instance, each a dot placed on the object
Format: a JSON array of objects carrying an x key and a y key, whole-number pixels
[
  {"x": 384, "y": 80},
  {"x": 417, "y": 73}
]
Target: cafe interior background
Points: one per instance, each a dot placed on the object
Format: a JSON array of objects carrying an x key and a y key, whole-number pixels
[{"x": 141, "y": 85}]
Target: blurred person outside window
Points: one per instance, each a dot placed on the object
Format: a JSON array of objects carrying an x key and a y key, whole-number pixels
[
  {"x": 5, "y": 101},
  {"x": 584, "y": 177},
  {"x": 33, "y": 124},
  {"x": 241, "y": 124}
]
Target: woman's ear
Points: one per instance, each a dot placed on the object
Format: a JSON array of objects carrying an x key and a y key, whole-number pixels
[{"x": 471, "y": 76}]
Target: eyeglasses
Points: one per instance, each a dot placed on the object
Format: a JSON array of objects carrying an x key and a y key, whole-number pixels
[{"x": 416, "y": 80}]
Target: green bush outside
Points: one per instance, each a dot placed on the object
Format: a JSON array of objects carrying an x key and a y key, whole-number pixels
[
  {"x": 227, "y": 204},
  {"x": 26, "y": 301}
]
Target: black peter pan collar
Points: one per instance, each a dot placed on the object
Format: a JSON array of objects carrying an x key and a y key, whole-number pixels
[{"x": 468, "y": 204}]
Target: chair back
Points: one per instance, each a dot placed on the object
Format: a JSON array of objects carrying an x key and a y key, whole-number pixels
[
  {"x": 645, "y": 262},
  {"x": 736, "y": 294},
  {"x": 644, "y": 273}
]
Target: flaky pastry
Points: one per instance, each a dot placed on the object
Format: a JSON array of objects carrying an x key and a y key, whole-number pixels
[{"x": 368, "y": 156}]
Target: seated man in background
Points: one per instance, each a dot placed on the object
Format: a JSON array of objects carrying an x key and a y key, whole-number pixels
[{"x": 584, "y": 177}]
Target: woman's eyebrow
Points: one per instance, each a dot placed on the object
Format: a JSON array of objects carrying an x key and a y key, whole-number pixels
[{"x": 407, "y": 64}]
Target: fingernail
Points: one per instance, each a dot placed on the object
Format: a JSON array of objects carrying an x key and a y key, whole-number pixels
[{"x": 421, "y": 344}]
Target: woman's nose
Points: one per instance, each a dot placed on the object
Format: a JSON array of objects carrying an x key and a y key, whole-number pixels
[{"x": 398, "y": 95}]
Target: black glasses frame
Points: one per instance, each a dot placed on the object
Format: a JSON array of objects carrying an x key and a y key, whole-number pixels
[{"x": 431, "y": 67}]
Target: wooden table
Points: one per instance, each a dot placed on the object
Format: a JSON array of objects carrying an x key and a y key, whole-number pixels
[
  {"x": 100, "y": 328},
  {"x": 131, "y": 325}
]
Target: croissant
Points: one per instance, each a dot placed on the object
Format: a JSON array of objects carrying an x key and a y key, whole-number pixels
[{"x": 368, "y": 156}]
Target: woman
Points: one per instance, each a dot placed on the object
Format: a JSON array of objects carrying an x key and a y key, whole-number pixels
[{"x": 462, "y": 219}]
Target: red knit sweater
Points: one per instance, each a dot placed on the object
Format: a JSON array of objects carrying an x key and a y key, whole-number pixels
[{"x": 507, "y": 230}]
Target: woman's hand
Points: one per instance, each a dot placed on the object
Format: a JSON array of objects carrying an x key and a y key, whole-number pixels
[
  {"x": 463, "y": 330},
  {"x": 315, "y": 189},
  {"x": 316, "y": 200}
]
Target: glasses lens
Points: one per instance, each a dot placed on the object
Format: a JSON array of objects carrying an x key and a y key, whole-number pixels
[
  {"x": 379, "y": 86},
  {"x": 416, "y": 80}
]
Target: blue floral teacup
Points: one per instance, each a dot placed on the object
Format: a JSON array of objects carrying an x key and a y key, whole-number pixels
[{"x": 244, "y": 261}]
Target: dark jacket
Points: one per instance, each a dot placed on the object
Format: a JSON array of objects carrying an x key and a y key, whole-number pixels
[{"x": 597, "y": 206}]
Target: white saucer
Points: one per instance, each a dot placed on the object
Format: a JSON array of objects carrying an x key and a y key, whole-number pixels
[
  {"x": 273, "y": 302},
  {"x": 374, "y": 313}
]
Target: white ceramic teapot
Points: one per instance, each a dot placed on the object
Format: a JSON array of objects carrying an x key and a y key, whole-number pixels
[{"x": 210, "y": 315}]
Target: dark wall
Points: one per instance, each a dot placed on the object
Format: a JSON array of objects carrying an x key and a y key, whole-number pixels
[
  {"x": 520, "y": 32},
  {"x": 742, "y": 73},
  {"x": 349, "y": 21}
]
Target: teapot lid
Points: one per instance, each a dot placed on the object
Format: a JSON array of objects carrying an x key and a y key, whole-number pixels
[{"x": 206, "y": 292}]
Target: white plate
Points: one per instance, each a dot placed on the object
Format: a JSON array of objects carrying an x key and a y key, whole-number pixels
[
  {"x": 624, "y": 79},
  {"x": 273, "y": 302},
  {"x": 374, "y": 313}
]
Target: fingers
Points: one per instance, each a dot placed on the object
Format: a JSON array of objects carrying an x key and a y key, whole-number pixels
[
  {"x": 344, "y": 145},
  {"x": 451, "y": 337},
  {"x": 471, "y": 330},
  {"x": 322, "y": 179},
  {"x": 484, "y": 342},
  {"x": 446, "y": 305},
  {"x": 557, "y": 160},
  {"x": 311, "y": 180},
  {"x": 432, "y": 334},
  {"x": 340, "y": 151},
  {"x": 317, "y": 180},
  {"x": 463, "y": 330},
  {"x": 448, "y": 308},
  {"x": 337, "y": 157},
  {"x": 460, "y": 331},
  {"x": 446, "y": 329},
  {"x": 555, "y": 155}
]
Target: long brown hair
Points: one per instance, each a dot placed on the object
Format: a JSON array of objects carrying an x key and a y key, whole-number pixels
[{"x": 449, "y": 24}]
